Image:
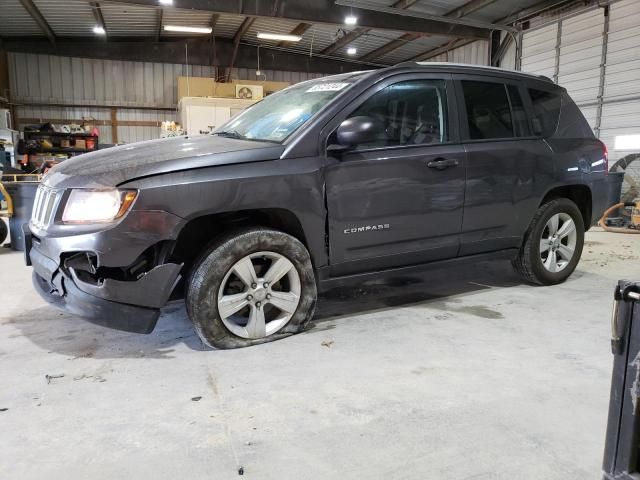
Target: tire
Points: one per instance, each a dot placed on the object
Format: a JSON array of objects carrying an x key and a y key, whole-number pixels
[
  {"x": 535, "y": 262},
  {"x": 3, "y": 231},
  {"x": 220, "y": 282}
]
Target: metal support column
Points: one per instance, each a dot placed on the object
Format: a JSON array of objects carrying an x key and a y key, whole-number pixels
[
  {"x": 556, "y": 69},
  {"x": 603, "y": 71}
]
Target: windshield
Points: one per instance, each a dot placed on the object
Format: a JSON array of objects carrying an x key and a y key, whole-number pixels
[{"x": 282, "y": 113}]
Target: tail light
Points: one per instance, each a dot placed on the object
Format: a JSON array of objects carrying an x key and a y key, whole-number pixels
[{"x": 605, "y": 153}]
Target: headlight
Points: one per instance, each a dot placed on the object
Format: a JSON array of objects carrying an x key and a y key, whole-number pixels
[{"x": 97, "y": 206}]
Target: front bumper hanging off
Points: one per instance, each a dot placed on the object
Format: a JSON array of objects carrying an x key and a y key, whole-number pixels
[{"x": 132, "y": 306}]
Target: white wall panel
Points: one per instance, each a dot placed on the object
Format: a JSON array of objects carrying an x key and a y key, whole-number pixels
[{"x": 621, "y": 103}]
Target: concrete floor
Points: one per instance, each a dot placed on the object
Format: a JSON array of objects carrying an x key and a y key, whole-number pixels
[{"x": 457, "y": 375}]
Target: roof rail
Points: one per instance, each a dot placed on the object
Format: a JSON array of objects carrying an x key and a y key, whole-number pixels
[{"x": 411, "y": 64}]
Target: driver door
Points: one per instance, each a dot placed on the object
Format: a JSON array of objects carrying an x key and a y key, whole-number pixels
[{"x": 398, "y": 200}]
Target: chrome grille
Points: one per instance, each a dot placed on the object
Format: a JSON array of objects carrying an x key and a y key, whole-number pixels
[{"x": 44, "y": 207}]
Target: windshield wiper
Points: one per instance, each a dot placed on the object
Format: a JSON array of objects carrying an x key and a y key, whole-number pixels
[{"x": 230, "y": 134}]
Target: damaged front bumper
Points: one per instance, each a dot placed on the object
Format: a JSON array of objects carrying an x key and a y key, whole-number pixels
[{"x": 125, "y": 302}]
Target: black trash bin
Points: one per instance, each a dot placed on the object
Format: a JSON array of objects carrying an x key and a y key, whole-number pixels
[
  {"x": 22, "y": 194},
  {"x": 622, "y": 445}
]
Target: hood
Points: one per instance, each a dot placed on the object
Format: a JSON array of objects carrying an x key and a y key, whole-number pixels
[{"x": 114, "y": 166}]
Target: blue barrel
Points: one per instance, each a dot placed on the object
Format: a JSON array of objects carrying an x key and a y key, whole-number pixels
[{"x": 23, "y": 195}]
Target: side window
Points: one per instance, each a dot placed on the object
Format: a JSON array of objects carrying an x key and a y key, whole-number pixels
[
  {"x": 488, "y": 111},
  {"x": 546, "y": 111},
  {"x": 413, "y": 112},
  {"x": 520, "y": 122}
]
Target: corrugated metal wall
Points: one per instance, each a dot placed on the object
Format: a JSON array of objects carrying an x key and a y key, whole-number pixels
[{"x": 48, "y": 79}]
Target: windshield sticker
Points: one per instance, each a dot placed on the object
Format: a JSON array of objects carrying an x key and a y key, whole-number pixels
[{"x": 328, "y": 87}]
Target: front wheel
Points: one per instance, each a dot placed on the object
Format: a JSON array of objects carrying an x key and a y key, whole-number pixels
[
  {"x": 252, "y": 287},
  {"x": 553, "y": 243}
]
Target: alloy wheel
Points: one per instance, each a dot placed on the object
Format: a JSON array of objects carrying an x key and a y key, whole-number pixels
[
  {"x": 558, "y": 242},
  {"x": 259, "y": 295}
]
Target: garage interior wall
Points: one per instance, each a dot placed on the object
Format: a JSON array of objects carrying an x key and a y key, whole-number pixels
[
  {"x": 597, "y": 58},
  {"x": 148, "y": 91}
]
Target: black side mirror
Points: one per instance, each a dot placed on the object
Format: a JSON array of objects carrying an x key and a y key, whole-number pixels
[{"x": 358, "y": 130}]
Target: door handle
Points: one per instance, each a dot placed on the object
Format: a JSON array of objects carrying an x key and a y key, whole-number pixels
[{"x": 442, "y": 163}]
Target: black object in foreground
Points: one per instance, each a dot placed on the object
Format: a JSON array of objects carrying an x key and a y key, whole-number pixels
[{"x": 622, "y": 447}]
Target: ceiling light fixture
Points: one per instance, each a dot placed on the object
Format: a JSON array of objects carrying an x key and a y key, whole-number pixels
[
  {"x": 352, "y": 51},
  {"x": 278, "y": 36},
  {"x": 178, "y": 28},
  {"x": 166, "y": 2},
  {"x": 98, "y": 30},
  {"x": 350, "y": 20}
]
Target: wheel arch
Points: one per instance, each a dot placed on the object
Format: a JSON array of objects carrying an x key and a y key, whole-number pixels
[
  {"x": 200, "y": 231},
  {"x": 579, "y": 194}
]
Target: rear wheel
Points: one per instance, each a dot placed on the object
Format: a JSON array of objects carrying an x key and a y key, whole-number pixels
[
  {"x": 252, "y": 287},
  {"x": 553, "y": 243}
]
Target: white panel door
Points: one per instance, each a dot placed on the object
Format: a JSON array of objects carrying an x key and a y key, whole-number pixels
[
  {"x": 539, "y": 50},
  {"x": 581, "y": 55},
  {"x": 621, "y": 107}
]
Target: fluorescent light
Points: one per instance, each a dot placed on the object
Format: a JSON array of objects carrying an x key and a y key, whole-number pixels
[
  {"x": 350, "y": 20},
  {"x": 278, "y": 36},
  {"x": 352, "y": 51},
  {"x": 99, "y": 30},
  {"x": 178, "y": 28},
  {"x": 627, "y": 142},
  {"x": 166, "y": 2}
]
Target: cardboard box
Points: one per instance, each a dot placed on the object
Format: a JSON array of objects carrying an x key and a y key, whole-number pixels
[{"x": 208, "y": 87}]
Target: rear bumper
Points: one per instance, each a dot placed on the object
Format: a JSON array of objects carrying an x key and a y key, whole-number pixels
[{"x": 605, "y": 192}]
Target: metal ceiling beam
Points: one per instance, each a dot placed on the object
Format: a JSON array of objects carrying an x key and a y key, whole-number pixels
[
  {"x": 358, "y": 32},
  {"x": 140, "y": 50},
  {"x": 469, "y": 8},
  {"x": 97, "y": 14},
  {"x": 32, "y": 10},
  {"x": 299, "y": 30},
  {"x": 325, "y": 11},
  {"x": 533, "y": 10},
  {"x": 242, "y": 29},
  {"x": 214, "y": 21},
  {"x": 502, "y": 49},
  {"x": 459, "y": 12},
  {"x": 518, "y": 16}
]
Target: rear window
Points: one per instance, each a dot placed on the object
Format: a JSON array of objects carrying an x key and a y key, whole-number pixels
[{"x": 546, "y": 111}]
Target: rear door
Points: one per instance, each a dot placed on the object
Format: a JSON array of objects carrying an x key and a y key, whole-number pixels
[
  {"x": 398, "y": 201},
  {"x": 507, "y": 167}
]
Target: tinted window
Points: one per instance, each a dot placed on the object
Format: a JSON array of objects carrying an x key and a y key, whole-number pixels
[
  {"x": 520, "y": 121},
  {"x": 410, "y": 113},
  {"x": 546, "y": 110},
  {"x": 488, "y": 112}
]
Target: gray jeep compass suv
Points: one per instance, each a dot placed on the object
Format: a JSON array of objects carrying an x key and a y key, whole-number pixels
[{"x": 329, "y": 181}]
